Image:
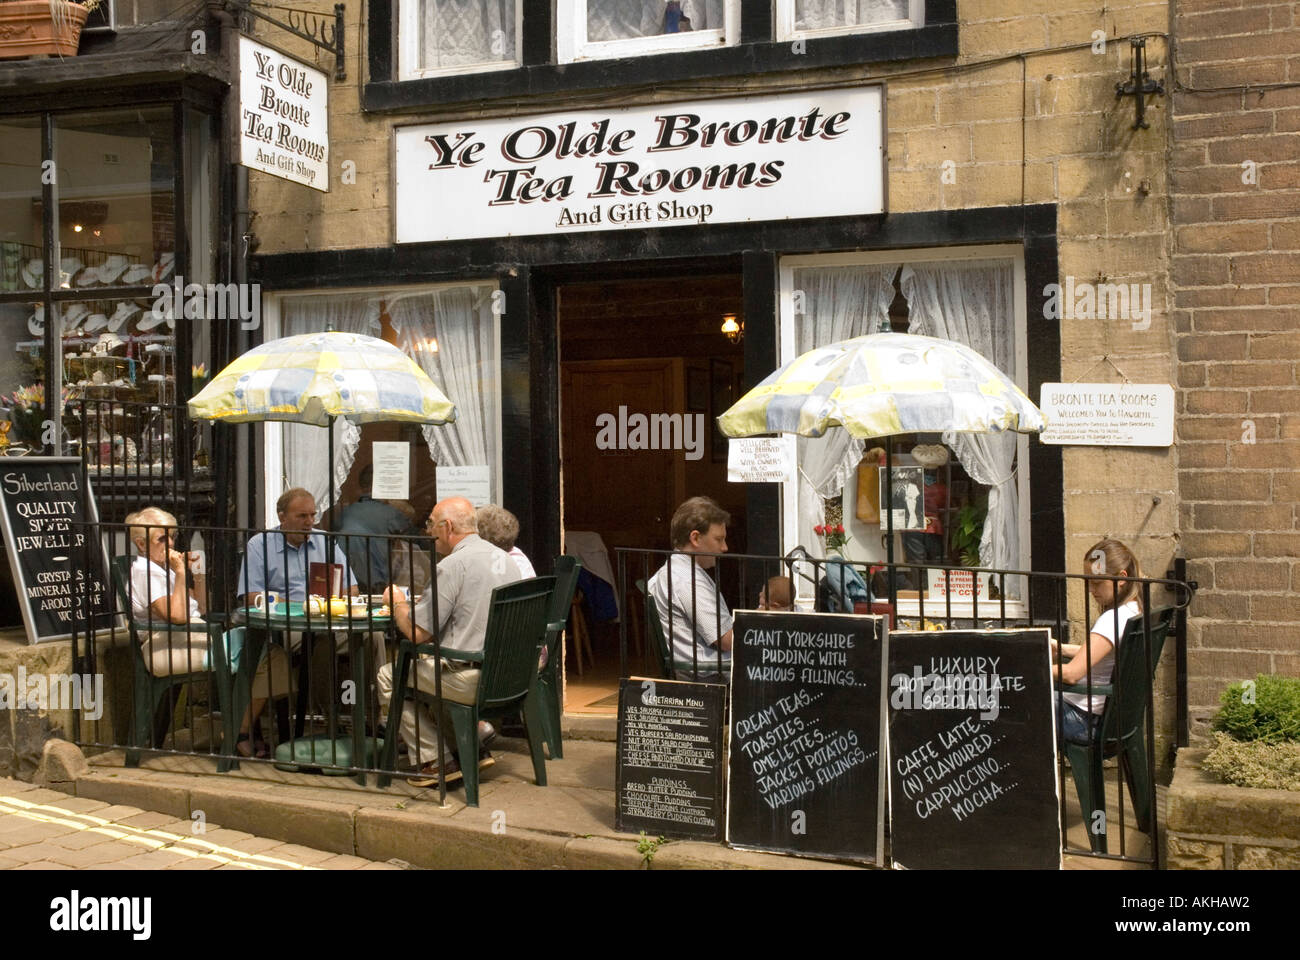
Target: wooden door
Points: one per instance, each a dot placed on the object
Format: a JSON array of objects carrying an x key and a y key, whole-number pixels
[{"x": 627, "y": 496}]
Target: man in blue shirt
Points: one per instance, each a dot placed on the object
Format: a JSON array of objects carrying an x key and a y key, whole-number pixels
[
  {"x": 279, "y": 561},
  {"x": 377, "y": 519}
]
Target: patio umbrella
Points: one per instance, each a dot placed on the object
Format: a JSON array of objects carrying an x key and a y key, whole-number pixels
[
  {"x": 316, "y": 377},
  {"x": 881, "y": 385},
  {"x": 884, "y": 384}
]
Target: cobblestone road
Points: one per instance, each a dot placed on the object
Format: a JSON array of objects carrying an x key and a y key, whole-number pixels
[{"x": 47, "y": 830}]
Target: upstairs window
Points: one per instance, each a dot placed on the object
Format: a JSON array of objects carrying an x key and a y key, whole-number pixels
[
  {"x": 443, "y": 37},
  {"x": 599, "y": 29},
  {"x": 827, "y": 18}
]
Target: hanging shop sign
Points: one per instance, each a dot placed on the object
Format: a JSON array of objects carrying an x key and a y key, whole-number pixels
[
  {"x": 811, "y": 154},
  {"x": 283, "y": 116},
  {"x": 1108, "y": 414}
]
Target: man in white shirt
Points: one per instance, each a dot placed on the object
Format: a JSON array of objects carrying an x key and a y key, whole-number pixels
[
  {"x": 470, "y": 569},
  {"x": 696, "y": 620}
]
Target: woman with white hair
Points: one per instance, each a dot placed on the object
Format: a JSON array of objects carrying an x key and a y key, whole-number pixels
[{"x": 159, "y": 594}]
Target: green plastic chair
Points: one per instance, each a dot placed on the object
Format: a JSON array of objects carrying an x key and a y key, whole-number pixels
[
  {"x": 656, "y": 628},
  {"x": 149, "y": 691},
  {"x": 1122, "y": 728},
  {"x": 566, "y": 584},
  {"x": 516, "y": 630}
]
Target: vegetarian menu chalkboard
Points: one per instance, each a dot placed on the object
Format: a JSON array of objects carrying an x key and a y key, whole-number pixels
[
  {"x": 806, "y": 736},
  {"x": 59, "y": 581},
  {"x": 669, "y": 774},
  {"x": 972, "y": 750}
]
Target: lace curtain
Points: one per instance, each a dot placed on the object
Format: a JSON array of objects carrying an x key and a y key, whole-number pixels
[
  {"x": 972, "y": 303},
  {"x": 838, "y": 303},
  {"x": 461, "y": 33},
  {"x": 622, "y": 19},
  {"x": 824, "y": 14},
  {"x": 306, "y": 447},
  {"x": 464, "y": 367}
]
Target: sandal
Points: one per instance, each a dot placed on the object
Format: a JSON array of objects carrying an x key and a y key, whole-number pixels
[
  {"x": 430, "y": 775},
  {"x": 252, "y": 749}
]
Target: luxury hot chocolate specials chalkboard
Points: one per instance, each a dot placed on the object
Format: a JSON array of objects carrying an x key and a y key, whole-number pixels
[
  {"x": 972, "y": 750},
  {"x": 806, "y": 737},
  {"x": 59, "y": 581},
  {"x": 669, "y": 773}
]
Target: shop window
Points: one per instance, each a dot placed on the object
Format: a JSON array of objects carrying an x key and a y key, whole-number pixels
[
  {"x": 827, "y": 18},
  {"x": 953, "y": 481},
  {"x": 596, "y": 29},
  {"x": 451, "y": 331},
  {"x": 443, "y": 37}
]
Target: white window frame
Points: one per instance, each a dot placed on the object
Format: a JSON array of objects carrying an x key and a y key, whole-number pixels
[
  {"x": 571, "y": 43},
  {"x": 785, "y": 325},
  {"x": 272, "y": 440},
  {"x": 785, "y": 22},
  {"x": 408, "y": 47}
]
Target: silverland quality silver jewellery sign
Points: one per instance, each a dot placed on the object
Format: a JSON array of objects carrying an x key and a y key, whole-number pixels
[
  {"x": 283, "y": 116},
  {"x": 59, "y": 580},
  {"x": 810, "y": 154}
]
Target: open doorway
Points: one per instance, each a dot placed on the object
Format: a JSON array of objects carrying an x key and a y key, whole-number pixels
[{"x": 647, "y": 346}]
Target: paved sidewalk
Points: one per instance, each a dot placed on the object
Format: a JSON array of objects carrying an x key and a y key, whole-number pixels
[{"x": 46, "y": 830}]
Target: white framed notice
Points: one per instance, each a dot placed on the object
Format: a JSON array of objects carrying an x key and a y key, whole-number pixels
[
  {"x": 761, "y": 460},
  {"x": 1108, "y": 414},
  {"x": 283, "y": 116},
  {"x": 815, "y": 153},
  {"x": 474, "y": 483},
  {"x": 391, "y": 461}
]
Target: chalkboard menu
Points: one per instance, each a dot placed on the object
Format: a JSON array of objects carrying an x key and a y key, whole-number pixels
[
  {"x": 806, "y": 737},
  {"x": 59, "y": 581},
  {"x": 972, "y": 750},
  {"x": 669, "y": 779}
]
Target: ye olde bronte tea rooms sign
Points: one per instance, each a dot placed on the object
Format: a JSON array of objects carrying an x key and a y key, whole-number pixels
[
  {"x": 813, "y": 154},
  {"x": 283, "y": 116}
]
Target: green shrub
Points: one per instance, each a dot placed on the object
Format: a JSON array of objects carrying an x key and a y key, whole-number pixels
[
  {"x": 1266, "y": 709},
  {"x": 1270, "y": 766}
]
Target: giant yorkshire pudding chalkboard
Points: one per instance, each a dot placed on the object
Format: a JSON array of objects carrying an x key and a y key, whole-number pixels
[
  {"x": 806, "y": 737},
  {"x": 972, "y": 750},
  {"x": 58, "y": 579}
]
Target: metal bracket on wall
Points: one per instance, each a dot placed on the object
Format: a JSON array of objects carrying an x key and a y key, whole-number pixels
[
  {"x": 1139, "y": 83},
  {"x": 320, "y": 30}
]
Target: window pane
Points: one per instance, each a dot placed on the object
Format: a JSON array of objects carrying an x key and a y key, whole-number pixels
[
  {"x": 465, "y": 33},
  {"x": 625, "y": 19},
  {"x": 21, "y": 266},
  {"x": 117, "y": 220},
  {"x": 825, "y": 14}
]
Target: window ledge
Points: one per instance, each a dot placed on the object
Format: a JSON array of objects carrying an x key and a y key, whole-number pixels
[{"x": 542, "y": 81}]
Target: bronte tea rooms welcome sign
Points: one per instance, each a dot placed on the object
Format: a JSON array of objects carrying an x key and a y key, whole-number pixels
[{"x": 811, "y": 154}]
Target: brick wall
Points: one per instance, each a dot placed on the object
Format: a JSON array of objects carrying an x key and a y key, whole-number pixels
[{"x": 1236, "y": 275}]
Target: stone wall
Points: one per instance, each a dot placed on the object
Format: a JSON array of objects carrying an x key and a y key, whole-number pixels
[
  {"x": 1216, "y": 826},
  {"x": 1236, "y": 273}
]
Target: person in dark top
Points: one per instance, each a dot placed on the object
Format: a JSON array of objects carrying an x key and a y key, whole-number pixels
[{"x": 368, "y": 555}]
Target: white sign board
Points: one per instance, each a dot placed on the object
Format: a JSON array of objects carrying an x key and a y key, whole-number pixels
[
  {"x": 1108, "y": 414},
  {"x": 959, "y": 584},
  {"x": 761, "y": 460},
  {"x": 283, "y": 116},
  {"x": 474, "y": 483},
  {"x": 811, "y": 154},
  {"x": 391, "y": 462}
]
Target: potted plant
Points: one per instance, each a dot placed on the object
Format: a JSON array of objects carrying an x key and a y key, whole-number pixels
[{"x": 30, "y": 28}]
